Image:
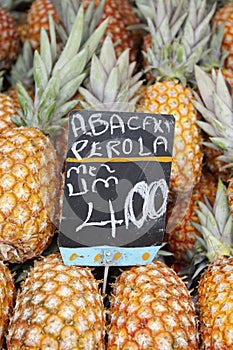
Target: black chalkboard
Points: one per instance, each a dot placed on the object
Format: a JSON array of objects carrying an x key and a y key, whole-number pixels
[{"x": 117, "y": 177}]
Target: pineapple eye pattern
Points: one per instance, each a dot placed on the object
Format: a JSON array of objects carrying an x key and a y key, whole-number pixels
[{"x": 117, "y": 178}]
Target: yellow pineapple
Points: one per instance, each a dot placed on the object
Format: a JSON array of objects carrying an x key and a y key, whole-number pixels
[
  {"x": 151, "y": 308},
  {"x": 29, "y": 189},
  {"x": 172, "y": 66},
  {"x": 214, "y": 291},
  {"x": 7, "y": 298},
  {"x": 171, "y": 97},
  {"x": 215, "y": 304},
  {"x": 57, "y": 307},
  {"x": 29, "y": 169}
]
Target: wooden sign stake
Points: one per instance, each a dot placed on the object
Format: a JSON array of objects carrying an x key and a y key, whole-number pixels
[{"x": 106, "y": 270}]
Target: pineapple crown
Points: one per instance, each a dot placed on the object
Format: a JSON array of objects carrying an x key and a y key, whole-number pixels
[
  {"x": 162, "y": 19},
  {"x": 216, "y": 227},
  {"x": 215, "y": 104},
  {"x": 57, "y": 77},
  {"x": 167, "y": 16},
  {"x": 175, "y": 57},
  {"x": 67, "y": 11},
  {"x": 111, "y": 84}
]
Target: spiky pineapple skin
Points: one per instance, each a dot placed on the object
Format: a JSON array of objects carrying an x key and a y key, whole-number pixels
[
  {"x": 216, "y": 166},
  {"x": 7, "y": 297},
  {"x": 7, "y": 111},
  {"x": 180, "y": 234},
  {"x": 9, "y": 40},
  {"x": 151, "y": 309},
  {"x": 214, "y": 301},
  {"x": 171, "y": 97},
  {"x": 38, "y": 18},
  {"x": 58, "y": 307},
  {"x": 28, "y": 193}
]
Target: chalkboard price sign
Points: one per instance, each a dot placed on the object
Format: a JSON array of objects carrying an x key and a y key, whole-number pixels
[{"x": 116, "y": 186}]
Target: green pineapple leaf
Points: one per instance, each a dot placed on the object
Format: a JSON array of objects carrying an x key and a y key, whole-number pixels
[
  {"x": 107, "y": 52},
  {"x": 40, "y": 76},
  {"x": 22, "y": 69},
  {"x": 63, "y": 110},
  {"x": 45, "y": 51},
  {"x": 68, "y": 90},
  {"x": 73, "y": 43},
  {"x": 98, "y": 77},
  {"x": 222, "y": 92}
]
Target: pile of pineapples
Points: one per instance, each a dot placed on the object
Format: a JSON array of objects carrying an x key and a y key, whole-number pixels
[{"x": 152, "y": 56}]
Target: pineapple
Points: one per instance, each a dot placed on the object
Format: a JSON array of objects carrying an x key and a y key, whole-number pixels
[
  {"x": 29, "y": 170},
  {"x": 7, "y": 106},
  {"x": 214, "y": 291},
  {"x": 28, "y": 205},
  {"x": 180, "y": 234},
  {"x": 18, "y": 10},
  {"x": 58, "y": 307},
  {"x": 130, "y": 18},
  {"x": 215, "y": 104},
  {"x": 9, "y": 40},
  {"x": 151, "y": 308},
  {"x": 7, "y": 298},
  {"x": 172, "y": 66}
]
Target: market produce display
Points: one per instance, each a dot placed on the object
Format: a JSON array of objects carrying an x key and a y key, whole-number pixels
[{"x": 171, "y": 57}]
